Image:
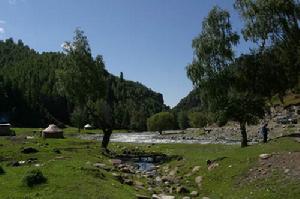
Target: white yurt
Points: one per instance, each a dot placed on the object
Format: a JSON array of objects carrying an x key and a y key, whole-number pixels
[{"x": 52, "y": 131}]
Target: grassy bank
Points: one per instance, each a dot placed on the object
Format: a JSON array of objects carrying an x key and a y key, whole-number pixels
[{"x": 71, "y": 173}]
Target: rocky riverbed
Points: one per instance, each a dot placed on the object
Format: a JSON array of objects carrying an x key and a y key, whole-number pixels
[{"x": 229, "y": 134}]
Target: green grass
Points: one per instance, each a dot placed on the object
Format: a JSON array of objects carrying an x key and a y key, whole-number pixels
[{"x": 71, "y": 174}]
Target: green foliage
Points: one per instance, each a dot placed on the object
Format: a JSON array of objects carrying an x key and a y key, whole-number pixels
[
  {"x": 269, "y": 20},
  {"x": 213, "y": 46},
  {"x": 38, "y": 89},
  {"x": 79, "y": 117},
  {"x": 34, "y": 177},
  {"x": 138, "y": 121},
  {"x": 161, "y": 121},
  {"x": 274, "y": 25},
  {"x": 183, "y": 120},
  {"x": 198, "y": 119},
  {"x": 225, "y": 90}
]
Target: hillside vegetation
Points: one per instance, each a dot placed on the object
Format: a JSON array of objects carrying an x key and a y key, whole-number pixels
[{"x": 31, "y": 95}]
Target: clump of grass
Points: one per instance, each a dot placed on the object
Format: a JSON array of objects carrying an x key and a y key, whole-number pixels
[
  {"x": 1, "y": 171},
  {"x": 34, "y": 177}
]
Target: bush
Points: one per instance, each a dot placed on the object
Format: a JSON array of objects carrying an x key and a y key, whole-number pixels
[
  {"x": 1, "y": 170},
  {"x": 183, "y": 120},
  {"x": 34, "y": 177},
  {"x": 161, "y": 121},
  {"x": 197, "y": 120}
]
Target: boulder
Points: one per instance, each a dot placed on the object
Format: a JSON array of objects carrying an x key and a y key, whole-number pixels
[
  {"x": 196, "y": 169},
  {"x": 142, "y": 197},
  {"x": 28, "y": 150},
  {"x": 116, "y": 162},
  {"x": 182, "y": 189},
  {"x": 162, "y": 196},
  {"x": 174, "y": 171},
  {"x": 198, "y": 180},
  {"x": 128, "y": 181},
  {"x": 194, "y": 193},
  {"x": 213, "y": 166},
  {"x": 264, "y": 156}
]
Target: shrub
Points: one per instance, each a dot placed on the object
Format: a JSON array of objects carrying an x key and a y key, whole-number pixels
[
  {"x": 1, "y": 170},
  {"x": 197, "y": 119},
  {"x": 161, "y": 121},
  {"x": 34, "y": 177},
  {"x": 183, "y": 120}
]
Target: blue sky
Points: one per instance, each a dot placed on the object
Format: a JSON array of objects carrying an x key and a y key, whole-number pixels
[{"x": 148, "y": 40}]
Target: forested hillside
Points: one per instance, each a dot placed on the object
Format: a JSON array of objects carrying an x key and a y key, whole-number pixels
[
  {"x": 31, "y": 95},
  {"x": 190, "y": 102}
]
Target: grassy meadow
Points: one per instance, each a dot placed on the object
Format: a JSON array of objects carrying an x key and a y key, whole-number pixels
[{"x": 71, "y": 173}]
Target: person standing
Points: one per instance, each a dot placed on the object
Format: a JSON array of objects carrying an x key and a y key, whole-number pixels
[{"x": 265, "y": 131}]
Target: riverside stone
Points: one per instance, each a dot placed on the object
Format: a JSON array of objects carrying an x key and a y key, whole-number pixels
[
  {"x": 264, "y": 156},
  {"x": 194, "y": 193},
  {"x": 198, "y": 180},
  {"x": 182, "y": 189},
  {"x": 196, "y": 169}
]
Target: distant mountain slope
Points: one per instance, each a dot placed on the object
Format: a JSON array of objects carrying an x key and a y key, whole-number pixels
[{"x": 191, "y": 102}]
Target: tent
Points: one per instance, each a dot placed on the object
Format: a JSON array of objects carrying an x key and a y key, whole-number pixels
[
  {"x": 5, "y": 129},
  {"x": 52, "y": 131}
]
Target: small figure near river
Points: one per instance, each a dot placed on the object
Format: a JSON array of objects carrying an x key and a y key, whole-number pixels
[{"x": 264, "y": 132}]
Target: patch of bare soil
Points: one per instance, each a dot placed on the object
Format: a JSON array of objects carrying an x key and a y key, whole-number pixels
[{"x": 286, "y": 164}]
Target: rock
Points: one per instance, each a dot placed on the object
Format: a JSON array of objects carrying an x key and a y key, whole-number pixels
[
  {"x": 31, "y": 160},
  {"x": 286, "y": 170},
  {"x": 162, "y": 196},
  {"x": 155, "y": 196},
  {"x": 264, "y": 156},
  {"x": 28, "y": 150},
  {"x": 56, "y": 150},
  {"x": 158, "y": 179},
  {"x": 198, "y": 180},
  {"x": 182, "y": 189},
  {"x": 125, "y": 170},
  {"x": 194, "y": 193},
  {"x": 142, "y": 197},
  {"x": 186, "y": 197},
  {"x": 138, "y": 184},
  {"x": 21, "y": 162},
  {"x": 15, "y": 164},
  {"x": 116, "y": 162},
  {"x": 212, "y": 166},
  {"x": 99, "y": 165},
  {"x": 174, "y": 171},
  {"x": 170, "y": 179},
  {"x": 196, "y": 169},
  {"x": 128, "y": 181},
  {"x": 205, "y": 197}
]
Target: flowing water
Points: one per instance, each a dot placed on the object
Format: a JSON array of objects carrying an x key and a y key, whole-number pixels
[{"x": 153, "y": 137}]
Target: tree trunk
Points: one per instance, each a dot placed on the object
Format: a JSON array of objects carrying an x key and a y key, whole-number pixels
[
  {"x": 106, "y": 137},
  {"x": 244, "y": 142}
]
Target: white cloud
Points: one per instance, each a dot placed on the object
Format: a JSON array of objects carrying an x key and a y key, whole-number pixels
[
  {"x": 2, "y": 30},
  {"x": 2, "y": 22}
]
